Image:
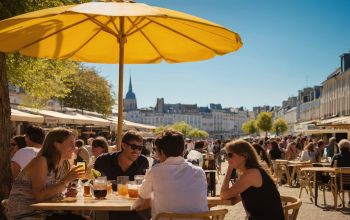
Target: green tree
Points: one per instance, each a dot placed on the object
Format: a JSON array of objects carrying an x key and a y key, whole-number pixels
[
  {"x": 89, "y": 91},
  {"x": 264, "y": 121},
  {"x": 41, "y": 79},
  {"x": 249, "y": 127},
  {"x": 279, "y": 126},
  {"x": 197, "y": 133},
  {"x": 182, "y": 127},
  {"x": 9, "y": 8}
]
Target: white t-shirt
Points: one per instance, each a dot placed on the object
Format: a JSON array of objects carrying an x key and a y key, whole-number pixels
[
  {"x": 24, "y": 155},
  {"x": 177, "y": 186},
  {"x": 195, "y": 157}
]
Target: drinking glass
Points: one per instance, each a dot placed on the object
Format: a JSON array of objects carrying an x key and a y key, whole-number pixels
[
  {"x": 122, "y": 185},
  {"x": 100, "y": 187},
  {"x": 139, "y": 179},
  {"x": 132, "y": 189},
  {"x": 87, "y": 189},
  {"x": 81, "y": 166}
]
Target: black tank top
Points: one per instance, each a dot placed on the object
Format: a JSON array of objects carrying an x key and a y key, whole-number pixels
[{"x": 263, "y": 203}]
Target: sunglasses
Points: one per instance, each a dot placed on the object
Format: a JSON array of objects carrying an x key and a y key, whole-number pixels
[{"x": 134, "y": 146}]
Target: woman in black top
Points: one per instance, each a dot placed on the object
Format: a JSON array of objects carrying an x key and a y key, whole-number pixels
[
  {"x": 255, "y": 187},
  {"x": 343, "y": 160}
]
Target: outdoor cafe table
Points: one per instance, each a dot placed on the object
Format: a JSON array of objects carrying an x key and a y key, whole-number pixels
[
  {"x": 111, "y": 203},
  {"x": 320, "y": 169},
  {"x": 295, "y": 166}
]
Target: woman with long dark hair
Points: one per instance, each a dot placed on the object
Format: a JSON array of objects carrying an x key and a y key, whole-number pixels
[
  {"x": 45, "y": 177},
  {"x": 253, "y": 182}
]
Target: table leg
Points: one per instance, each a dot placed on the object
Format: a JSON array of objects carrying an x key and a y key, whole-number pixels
[{"x": 316, "y": 187}]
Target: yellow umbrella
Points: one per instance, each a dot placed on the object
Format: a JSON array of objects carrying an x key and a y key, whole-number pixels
[{"x": 116, "y": 32}]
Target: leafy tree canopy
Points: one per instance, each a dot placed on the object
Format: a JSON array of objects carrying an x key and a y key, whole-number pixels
[
  {"x": 197, "y": 133},
  {"x": 279, "y": 126},
  {"x": 264, "y": 121},
  {"x": 89, "y": 91},
  {"x": 249, "y": 127}
]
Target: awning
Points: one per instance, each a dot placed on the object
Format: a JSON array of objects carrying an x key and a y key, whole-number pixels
[
  {"x": 17, "y": 115},
  {"x": 130, "y": 125},
  {"x": 335, "y": 121}
]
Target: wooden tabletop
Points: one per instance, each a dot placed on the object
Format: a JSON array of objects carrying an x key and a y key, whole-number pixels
[
  {"x": 111, "y": 203},
  {"x": 320, "y": 169}
]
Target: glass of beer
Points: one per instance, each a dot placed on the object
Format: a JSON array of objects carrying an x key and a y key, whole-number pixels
[
  {"x": 132, "y": 190},
  {"x": 122, "y": 185},
  {"x": 87, "y": 189},
  {"x": 100, "y": 187},
  {"x": 82, "y": 166}
]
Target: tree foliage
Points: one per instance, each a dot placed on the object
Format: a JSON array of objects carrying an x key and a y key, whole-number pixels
[
  {"x": 249, "y": 127},
  {"x": 41, "y": 79},
  {"x": 89, "y": 91},
  {"x": 197, "y": 133},
  {"x": 186, "y": 129},
  {"x": 279, "y": 126},
  {"x": 264, "y": 121}
]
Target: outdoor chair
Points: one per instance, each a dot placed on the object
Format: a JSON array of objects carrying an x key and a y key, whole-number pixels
[
  {"x": 281, "y": 172},
  {"x": 305, "y": 179},
  {"x": 344, "y": 179},
  {"x": 291, "y": 206},
  {"x": 210, "y": 215}
]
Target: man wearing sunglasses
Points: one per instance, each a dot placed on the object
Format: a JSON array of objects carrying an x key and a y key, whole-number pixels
[{"x": 127, "y": 162}]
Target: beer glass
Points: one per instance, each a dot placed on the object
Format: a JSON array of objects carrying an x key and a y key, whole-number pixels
[
  {"x": 122, "y": 185},
  {"x": 132, "y": 189},
  {"x": 100, "y": 187}
]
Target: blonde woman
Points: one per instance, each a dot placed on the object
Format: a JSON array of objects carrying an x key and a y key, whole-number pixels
[{"x": 253, "y": 182}]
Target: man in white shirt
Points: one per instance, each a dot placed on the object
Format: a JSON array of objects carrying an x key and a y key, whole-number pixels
[
  {"x": 174, "y": 185},
  {"x": 34, "y": 138},
  {"x": 195, "y": 156}
]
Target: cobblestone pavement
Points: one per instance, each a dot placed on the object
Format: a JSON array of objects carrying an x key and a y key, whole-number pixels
[{"x": 307, "y": 210}]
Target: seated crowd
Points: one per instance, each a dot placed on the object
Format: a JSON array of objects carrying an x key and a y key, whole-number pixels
[{"x": 44, "y": 166}]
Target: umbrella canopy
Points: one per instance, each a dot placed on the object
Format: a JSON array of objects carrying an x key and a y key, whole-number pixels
[{"x": 116, "y": 32}]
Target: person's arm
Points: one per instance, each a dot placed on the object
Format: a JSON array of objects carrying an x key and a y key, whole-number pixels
[
  {"x": 15, "y": 169},
  {"x": 38, "y": 171},
  {"x": 250, "y": 177}
]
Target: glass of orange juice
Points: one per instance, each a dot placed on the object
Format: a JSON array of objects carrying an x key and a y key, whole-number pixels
[{"x": 122, "y": 185}]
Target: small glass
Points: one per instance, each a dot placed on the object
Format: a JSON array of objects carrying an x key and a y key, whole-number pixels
[
  {"x": 138, "y": 179},
  {"x": 133, "y": 189},
  {"x": 109, "y": 188},
  {"x": 122, "y": 185},
  {"x": 100, "y": 187},
  {"x": 87, "y": 189}
]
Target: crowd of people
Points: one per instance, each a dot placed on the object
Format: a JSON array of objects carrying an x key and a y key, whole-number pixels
[{"x": 43, "y": 166}]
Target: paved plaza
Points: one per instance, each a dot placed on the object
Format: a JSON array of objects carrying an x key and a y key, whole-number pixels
[{"x": 307, "y": 211}]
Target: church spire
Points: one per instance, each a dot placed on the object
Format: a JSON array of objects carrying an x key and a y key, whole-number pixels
[{"x": 130, "y": 84}]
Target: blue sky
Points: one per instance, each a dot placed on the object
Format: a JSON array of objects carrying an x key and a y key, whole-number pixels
[{"x": 288, "y": 45}]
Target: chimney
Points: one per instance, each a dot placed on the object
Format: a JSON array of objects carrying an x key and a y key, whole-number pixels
[{"x": 345, "y": 61}]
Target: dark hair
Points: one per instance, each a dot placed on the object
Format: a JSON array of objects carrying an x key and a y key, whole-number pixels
[
  {"x": 132, "y": 135},
  {"x": 20, "y": 141},
  {"x": 262, "y": 152},
  {"x": 100, "y": 142},
  {"x": 310, "y": 147},
  {"x": 320, "y": 142},
  {"x": 79, "y": 143},
  {"x": 171, "y": 142},
  {"x": 245, "y": 149},
  {"x": 199, "y": 144},
  {"x": 35, "y": 134},
  {"x": 49, "y": 151},
  {"x": 274, "y": 146}
]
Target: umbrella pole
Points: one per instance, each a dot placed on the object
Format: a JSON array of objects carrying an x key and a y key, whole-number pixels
[{"x": 121, "y": 40}]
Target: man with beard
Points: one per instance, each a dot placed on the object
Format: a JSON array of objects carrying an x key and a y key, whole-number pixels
[{"x": 127, "y": 162}]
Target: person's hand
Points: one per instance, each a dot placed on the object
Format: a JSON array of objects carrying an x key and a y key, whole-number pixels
[{"x": 75, "y": 173}]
